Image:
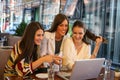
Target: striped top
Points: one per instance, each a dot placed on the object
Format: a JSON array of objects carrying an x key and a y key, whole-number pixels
[{"x": 22, "y": 67}]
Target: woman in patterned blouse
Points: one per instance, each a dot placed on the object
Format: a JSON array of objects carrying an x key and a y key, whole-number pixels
[{"x": 24, "y": 56}]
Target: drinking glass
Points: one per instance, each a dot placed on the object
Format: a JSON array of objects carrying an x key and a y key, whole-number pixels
[
  {"x": 108, "y": 63},
  {"x": 57, "y": 67},
  {"x": 51, "y": 72}
]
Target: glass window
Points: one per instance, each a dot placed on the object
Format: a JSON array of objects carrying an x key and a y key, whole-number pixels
[
  {"x": 102, "y": 18},
  {"x": 50, "y": 9}
]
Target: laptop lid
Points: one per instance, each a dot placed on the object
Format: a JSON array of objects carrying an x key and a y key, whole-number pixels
[{"x": 87, "y": 69}]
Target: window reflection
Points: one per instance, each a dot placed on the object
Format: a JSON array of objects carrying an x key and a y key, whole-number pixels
[{"x": 102, "y": 18}]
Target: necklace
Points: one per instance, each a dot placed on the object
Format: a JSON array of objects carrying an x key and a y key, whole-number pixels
[
  {"x": 58, "y": 37},
  {"x": 78, "y": 46}
]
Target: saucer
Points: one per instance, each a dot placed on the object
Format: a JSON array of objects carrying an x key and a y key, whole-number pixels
[{"x": 42, "y": 75}]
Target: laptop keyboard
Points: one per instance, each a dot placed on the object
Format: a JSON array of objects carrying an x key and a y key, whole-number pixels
[{"x": 64, "y": 75}]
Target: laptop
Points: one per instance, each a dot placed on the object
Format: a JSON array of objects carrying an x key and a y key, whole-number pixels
[{"x": 84, "y": 69}]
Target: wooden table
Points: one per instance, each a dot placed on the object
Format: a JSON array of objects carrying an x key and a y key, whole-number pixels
[
  {"x": 32, "y": 77},
  {"x": 110, "y": 76}
]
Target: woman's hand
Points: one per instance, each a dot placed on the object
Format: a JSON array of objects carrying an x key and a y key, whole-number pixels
[
  {"x": 48, "y": 58},
  {"x": 97, "y": 46},
  {"x": 99, "y": 41},
  {"x": 52, "y": 58},
  {"x": 57, "y": 59}
]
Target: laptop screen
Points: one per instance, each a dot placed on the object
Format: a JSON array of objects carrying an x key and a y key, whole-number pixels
[
  {"x": 84, "y": 69},
  {"x": 87, "y": 69}
]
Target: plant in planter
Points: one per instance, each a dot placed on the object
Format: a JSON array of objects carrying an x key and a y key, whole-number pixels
[
  {"x": 12, "y": 39},
  {"x": 20, "y": 29},
  {"x": 117, "y": 72}
]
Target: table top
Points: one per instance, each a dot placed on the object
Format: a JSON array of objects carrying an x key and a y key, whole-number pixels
[
  {"x": 6, "y": 47},
  {"x": 56, "y": 77}
]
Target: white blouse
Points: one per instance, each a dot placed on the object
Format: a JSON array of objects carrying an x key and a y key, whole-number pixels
[
  {"x": 70, "y": 54},
  {"x": 48, "y": 44}
]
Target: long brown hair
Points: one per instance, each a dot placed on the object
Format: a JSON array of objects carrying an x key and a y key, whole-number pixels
[
  {"x": 59, "y": 18},
  {"x": 27, "y": 45},
  {"x": 81, "y": 25},
  {"x": 93, "y": 37},
  {"x": 88, "y": 34}
]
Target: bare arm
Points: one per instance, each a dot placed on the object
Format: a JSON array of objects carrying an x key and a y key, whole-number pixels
[
  {"x": 47, "y": 58},
  {"x": 97, "y": 46}
]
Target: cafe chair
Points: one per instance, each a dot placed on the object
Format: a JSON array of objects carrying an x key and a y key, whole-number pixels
[{"x": 4, "y": 54}]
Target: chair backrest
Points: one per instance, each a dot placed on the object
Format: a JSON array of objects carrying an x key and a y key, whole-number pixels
[
  {"x": 13, "y": 39},
  {"x": 4, "y": 55},
  {"x": 4, "y": 34}
]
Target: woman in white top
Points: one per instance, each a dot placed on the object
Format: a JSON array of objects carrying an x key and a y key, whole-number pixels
[
  {"x": 77, "y": 47},
  {"x": 54, "y": 37}
]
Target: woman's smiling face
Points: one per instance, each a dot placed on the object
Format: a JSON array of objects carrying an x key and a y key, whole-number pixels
[
  {"x": 78, "y": 34},
  {"x": 62, "y": 28},
  {"x": 38, "y": 36}
]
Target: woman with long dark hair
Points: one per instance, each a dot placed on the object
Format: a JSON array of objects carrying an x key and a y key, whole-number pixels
[
  {"x": 77, "y": 46},
  {"x": 54, "y": 37},
  {"x": 24, "y": 58}
]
